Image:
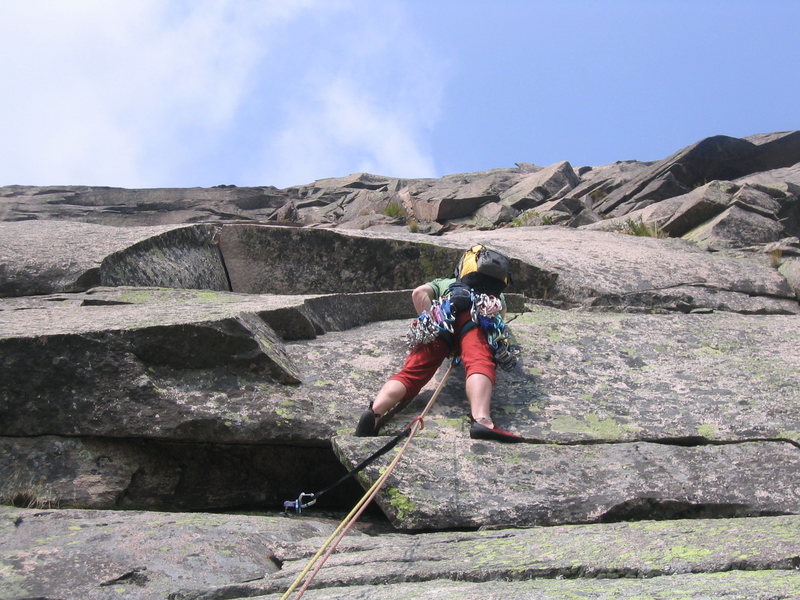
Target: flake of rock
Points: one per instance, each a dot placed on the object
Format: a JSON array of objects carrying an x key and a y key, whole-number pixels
[
  {"x": 699, "y": 206},
  {"x": 45, "y": 257},
  {"x": 448, "y": 483},
  {"x": 662, "y": 188},
  {"x": 460, "y": 195},
  {"x": 718, "y": 157},
  {"x": 176, "y": 364},
  {"x": 301, "y": 260},
  {"x": 542, "y": 185},
  {"x": 734, "y": 228}
]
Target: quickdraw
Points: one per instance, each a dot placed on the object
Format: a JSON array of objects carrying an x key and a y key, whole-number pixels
[
  {"x": 506, "y": 353},
  {"x": 486, "y": 311},
  {"x": 427, "y": 327},
  {"x": 303, "y": 501},
  {"x": 484, "y": 305}
]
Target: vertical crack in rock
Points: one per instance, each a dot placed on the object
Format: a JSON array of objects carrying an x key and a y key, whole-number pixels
[{"x": 215, "y": 243}]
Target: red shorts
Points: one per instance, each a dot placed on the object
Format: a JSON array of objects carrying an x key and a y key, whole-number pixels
[{"x": 422, "y": 363}]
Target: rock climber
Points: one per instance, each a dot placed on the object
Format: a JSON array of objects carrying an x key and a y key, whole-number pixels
[{"x": 462, "y": 316}]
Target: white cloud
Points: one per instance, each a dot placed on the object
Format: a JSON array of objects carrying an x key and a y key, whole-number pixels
[
  {"x": 139, "y": 94},
  {"x": 341, "y": 129},
  {"x": 124, "y": 93},
  {"x": 366, "y": 104}
]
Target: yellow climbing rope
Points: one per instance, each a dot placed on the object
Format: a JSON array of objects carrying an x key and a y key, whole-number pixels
[{"x": 329, "y": 546}]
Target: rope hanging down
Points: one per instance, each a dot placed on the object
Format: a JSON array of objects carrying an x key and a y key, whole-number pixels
[{"x": 333, "y": 541}]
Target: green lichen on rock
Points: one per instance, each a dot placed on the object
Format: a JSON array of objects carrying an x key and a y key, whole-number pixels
[
  {"x": 449, "y": 423},
  {"x": 708, "y": 431},
  {"x": 285, "y": 410},
  {"x": 402, "y": 504},
  {"x": 690, "y": 553},
  {"x": 591, "y": 424}
]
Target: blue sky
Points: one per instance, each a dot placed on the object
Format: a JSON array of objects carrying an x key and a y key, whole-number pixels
[{"x": 182, "y": 93}]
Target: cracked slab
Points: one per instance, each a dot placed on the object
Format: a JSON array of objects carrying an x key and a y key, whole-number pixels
[
  {"x": 150, "y": 362},
  {"x": 441, "y": 484},
  {"x": 96, "y": 555},
  {"x": 595, "y": 377},
  {"x": 737, "y": 555},
  {"x": 736, "y": 585}
]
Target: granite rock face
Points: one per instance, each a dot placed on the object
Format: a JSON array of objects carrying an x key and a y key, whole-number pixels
[
  {"x": 148, "y": 207},
  {"x": 136, "y": 554},
  {"x": 211, "y": 350},
  {"x": 445, "y": 482},
  {"x": 714, "y": 158},
  {"x": 43, "y": 257},
  {"x": 219, "y": 368},
  {"x": 527, "y": 195},
  {"x": 624, "y": 560},
  {"x": 209, "y": 556}
]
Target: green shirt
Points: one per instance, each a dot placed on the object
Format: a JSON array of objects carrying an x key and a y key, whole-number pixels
[{"x": 441, "y": 286}]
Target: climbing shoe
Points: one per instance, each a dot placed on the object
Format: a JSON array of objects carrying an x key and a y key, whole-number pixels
[
  {"x": 482, "y": 432},
  {"x": 367, "y": 424}
]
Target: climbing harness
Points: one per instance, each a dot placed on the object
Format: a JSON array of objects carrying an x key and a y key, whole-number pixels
[
  {"x": 332, "y": 542},
  {"x": 485, "y": 312}
]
